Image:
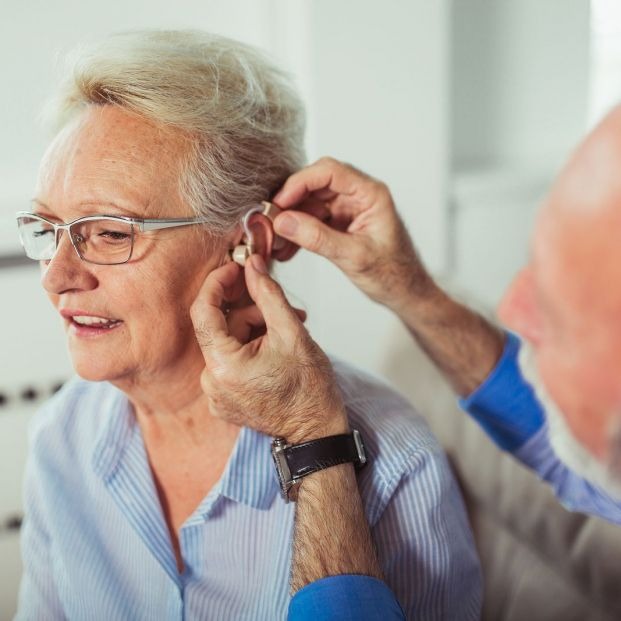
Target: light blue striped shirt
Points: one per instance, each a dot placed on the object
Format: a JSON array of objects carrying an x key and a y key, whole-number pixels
[{"x": 96, "y": 545}]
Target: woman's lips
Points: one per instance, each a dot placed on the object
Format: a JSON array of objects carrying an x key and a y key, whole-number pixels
[
  {"x": 93, "y": 330},
  {"x": 86, "y": 324}
]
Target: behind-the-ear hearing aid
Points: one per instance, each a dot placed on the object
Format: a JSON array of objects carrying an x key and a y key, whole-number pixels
[{"x": 240, "y": 253}]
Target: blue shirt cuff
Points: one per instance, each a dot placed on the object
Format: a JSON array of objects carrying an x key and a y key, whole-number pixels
[
  {"x": 505, "y": 404},
  {"x": 346, "y": 598}
]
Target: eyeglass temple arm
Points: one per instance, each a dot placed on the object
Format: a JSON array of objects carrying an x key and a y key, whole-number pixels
[
  {"x": 155, "y": 224},
  {"x": 266, "y": 208}
]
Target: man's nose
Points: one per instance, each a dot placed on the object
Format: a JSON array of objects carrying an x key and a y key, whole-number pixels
[
  {"x": 518, "y": 310},
  {"x": 65, "y": 271}
]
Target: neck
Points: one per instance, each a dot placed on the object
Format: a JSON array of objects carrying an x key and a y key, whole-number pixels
[{"x": 172, "y": 402}]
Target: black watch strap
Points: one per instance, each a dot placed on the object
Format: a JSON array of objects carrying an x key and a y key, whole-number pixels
[
  {"x": 322, "y": 453},
  {"x": 293, "y": 462}
]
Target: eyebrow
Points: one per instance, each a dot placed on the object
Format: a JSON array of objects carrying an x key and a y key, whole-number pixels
[{"x": 108, "y": 204}]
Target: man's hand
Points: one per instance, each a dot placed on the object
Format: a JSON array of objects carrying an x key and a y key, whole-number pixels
[
  {"x": 350, "y": 218},
  {"x": 262, "y": 368}
]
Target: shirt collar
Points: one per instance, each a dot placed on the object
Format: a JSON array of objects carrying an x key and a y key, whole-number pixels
[
  {"x": 250, "y": 477},
  {"x": 114, "y": 435}
]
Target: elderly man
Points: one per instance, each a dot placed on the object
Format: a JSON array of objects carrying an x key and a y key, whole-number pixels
[
  {"x": 139, "y": 503},
  {"x": 565, "y": 305}
]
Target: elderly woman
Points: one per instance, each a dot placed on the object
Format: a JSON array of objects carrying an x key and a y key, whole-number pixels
[{"x": 139, "y": 503}]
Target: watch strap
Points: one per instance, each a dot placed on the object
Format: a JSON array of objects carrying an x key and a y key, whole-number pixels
[{"x": 323, "y": 453}]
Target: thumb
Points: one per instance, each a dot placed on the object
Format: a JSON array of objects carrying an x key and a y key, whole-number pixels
[
  {"x": 311, "y": 233},
  {"x": 279, "y": 316}
]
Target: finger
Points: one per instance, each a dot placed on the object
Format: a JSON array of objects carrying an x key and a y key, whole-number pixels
[
  {"x": 314, "y": 235},
  {"x": 315, "y": 207},
  {"x": 267, "y": 294},
  {"x": 244, "y": 322},
  {"x": 327, "y": 177},
  {"x": 285, "y": 250},
  {"x": 209, "y": 321}
]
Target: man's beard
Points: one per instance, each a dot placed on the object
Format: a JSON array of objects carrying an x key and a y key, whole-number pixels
[{"x": 605, "y": 475}]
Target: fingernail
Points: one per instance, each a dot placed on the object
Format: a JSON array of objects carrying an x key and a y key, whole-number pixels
[
  {"x": 258, "y": 263},
  {"x": 286, "y": 224}
]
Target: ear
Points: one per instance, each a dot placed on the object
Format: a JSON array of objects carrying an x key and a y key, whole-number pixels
[
  {"x": 262, "y": 231},
  {"x": 262, "y": 236}
]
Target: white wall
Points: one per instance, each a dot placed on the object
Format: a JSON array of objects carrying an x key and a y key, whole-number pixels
[
  {"x": 605, "y": 58},
  {"x": 520, "y": 83},
  {"x": 379, "y": 99}
]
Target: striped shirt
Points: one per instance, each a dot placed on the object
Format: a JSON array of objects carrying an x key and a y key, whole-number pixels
[{"x": 96, "y": 546}]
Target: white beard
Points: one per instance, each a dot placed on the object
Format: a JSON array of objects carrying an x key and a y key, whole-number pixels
[{"x": 569, "y": 450}]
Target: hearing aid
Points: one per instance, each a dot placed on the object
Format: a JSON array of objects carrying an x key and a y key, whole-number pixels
[{"x": 240, "y": 253}]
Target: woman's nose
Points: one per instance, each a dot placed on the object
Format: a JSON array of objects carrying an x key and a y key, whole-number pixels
[
  {"x": 66, "y": 271},
  {"x": 518, "y": 310}
]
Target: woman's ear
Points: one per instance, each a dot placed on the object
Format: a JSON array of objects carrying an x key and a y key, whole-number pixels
[
  {"x": 260, "y": 241},
  {"x": 262, "y": 231}
]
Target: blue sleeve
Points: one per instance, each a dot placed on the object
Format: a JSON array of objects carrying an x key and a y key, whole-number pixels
[
  {"x": 505, "y": 405},
  {"x": 346, "y": 598}
]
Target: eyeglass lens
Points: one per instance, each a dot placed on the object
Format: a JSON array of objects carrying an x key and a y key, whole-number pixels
[{"x": 104, "y": 241}]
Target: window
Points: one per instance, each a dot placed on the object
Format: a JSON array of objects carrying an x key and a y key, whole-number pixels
[{"x": 605, "y": 57}]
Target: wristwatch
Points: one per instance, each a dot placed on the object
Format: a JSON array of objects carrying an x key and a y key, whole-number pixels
[{"x": 294, "y": 462}]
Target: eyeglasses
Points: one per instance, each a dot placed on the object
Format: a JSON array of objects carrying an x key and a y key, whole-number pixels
[{"x": 104, "y": 240}]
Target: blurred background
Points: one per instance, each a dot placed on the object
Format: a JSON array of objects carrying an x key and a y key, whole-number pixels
[{"x": 466, "y": 108}]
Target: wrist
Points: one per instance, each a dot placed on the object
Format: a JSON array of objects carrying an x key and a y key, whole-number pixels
[
  {"x": 336, "y": 423},
  {"x": 295, "y": 462}
]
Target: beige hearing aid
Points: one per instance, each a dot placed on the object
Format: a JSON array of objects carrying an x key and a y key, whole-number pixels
[{"x": 240, "y": 253}]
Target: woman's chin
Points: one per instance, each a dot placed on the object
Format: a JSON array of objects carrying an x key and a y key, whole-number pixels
[{"x": 91, "y": 372}]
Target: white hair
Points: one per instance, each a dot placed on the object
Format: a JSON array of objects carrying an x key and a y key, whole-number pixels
[
  {"x": 605, "y": 474},
  {"x": 243, "y": 120}
]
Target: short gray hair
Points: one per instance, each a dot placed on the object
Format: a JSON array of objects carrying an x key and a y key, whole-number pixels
[{"x": 243, "y": 119}]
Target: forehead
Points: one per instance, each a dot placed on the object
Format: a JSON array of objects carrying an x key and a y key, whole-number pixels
[{"x": 107, "y": 154}]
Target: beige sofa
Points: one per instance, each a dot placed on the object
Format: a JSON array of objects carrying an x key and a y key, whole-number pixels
[{"x": 540, "y": 562}]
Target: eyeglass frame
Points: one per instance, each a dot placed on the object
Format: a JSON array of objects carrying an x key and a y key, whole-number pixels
[{"x": 143, "y": 224}]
